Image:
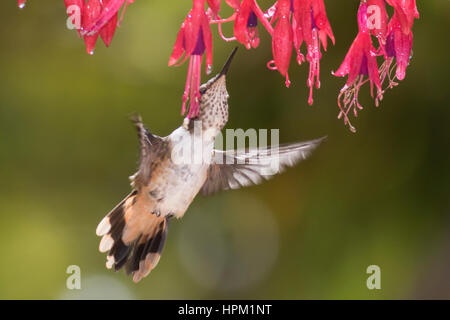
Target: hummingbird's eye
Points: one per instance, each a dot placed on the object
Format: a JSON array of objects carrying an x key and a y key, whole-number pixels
[{"x": 202, "y": 89}]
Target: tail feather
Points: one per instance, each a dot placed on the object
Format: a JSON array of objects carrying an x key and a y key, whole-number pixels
[
  {"x": 120, "y": 252},
  {"x": 134, "y": 237},
  {"x": 149, "y": 256}
]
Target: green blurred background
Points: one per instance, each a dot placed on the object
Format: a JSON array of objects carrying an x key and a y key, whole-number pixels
[{"x": 380, "y": 196}]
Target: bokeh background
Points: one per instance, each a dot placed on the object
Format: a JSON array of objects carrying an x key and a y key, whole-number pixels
[{"x": 380, "y": 196}]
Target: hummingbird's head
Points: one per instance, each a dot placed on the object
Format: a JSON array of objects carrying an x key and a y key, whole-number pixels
[{"x": 213, "y": 106}]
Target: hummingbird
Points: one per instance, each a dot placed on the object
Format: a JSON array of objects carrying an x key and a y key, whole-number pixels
[{"x": 134, "y": 232}]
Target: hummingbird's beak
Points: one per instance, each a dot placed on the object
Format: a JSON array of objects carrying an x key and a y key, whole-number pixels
[
  {"x": 220, "y": 76},
  {"x": 228, "y": 63}
]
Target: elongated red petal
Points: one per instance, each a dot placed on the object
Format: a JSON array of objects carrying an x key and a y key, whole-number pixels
[
  {"x": 322, "y": 23},
  {"x": 91, "y": 12},
  {"x": 178, "y": 48},
  {"x": 297, "y": 29},
  {"x": 402, "y": 46},
  {"x": 305, "y": 19},
  {"x": 356, "y": 55},
  {"x": 107, "y": 32},
  {"x": 207, "y": 38},
  {"x": 282, "y": 40},
  {"x": 372, "y": 67},
  {"x": 192, "y": 28}
]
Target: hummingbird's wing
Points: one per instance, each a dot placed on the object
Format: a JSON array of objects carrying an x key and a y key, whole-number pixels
[
  {"x": 233, "y": 169},
  {"x": 150, "y": 148}
]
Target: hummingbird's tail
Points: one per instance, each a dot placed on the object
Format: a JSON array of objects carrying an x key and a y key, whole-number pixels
[{"x": 133, "y": 236}]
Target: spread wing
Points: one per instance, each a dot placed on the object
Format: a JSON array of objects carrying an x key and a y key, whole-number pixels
[
  {"x": 234, "y": 169},
  {"x": 151, "y": 147}
]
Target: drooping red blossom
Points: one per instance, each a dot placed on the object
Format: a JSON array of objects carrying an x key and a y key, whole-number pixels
[
  {"x": 98, "y": 17},
  {"x": 399, "y": 35},
  {"x": 193, "y": 40},
  {"x": 246, "y": 16},
  {"x": 360, "y": 65},
  {"x": 295, "y": 21},
  {"x": 298, "y": 22},
  {"x": 290, "y": 23},
  {"x": 399, "y": 46},
  {"x": 311, "y": 25},
  {"x": 110, "y": 10},
  {"x": 282, "y": 39},
  {"x": 406, "y": 11},
  {"x": 21, "y": 3}
]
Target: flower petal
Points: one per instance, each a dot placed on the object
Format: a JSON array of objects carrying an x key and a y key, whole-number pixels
[
  {"x": 110, "y": 9},
  {"x": 91, "y": 12},
  {"x": 282, "y": 40},
  {"x": 107, "y": 32},
  {"x": 178, "y": 48}
]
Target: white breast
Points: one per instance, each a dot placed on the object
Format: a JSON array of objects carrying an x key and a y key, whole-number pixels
[{"x": 187, "y": 171}]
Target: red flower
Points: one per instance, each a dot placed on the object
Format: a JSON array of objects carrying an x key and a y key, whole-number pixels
[
  {"x": 400, "y": 37},
  {"x": 290, "y": 23},
  {"x": 194, "y": 38},
  {"x": 110, "y": 9},
  {"x": 406, "y": 11},
  {"x": 98, "y": 17},
  {"x": 21, "y": 3},
  {"x": 359, "y": 63},
  {"x": 246, "y": 18},
  {"x": 282, "y": 39},
  {"x": 310, "y": 23},
  {"x": 398, "y": 46}
]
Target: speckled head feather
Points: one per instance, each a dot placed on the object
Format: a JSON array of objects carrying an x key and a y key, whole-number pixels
[{"x": 213, "y": 108}]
